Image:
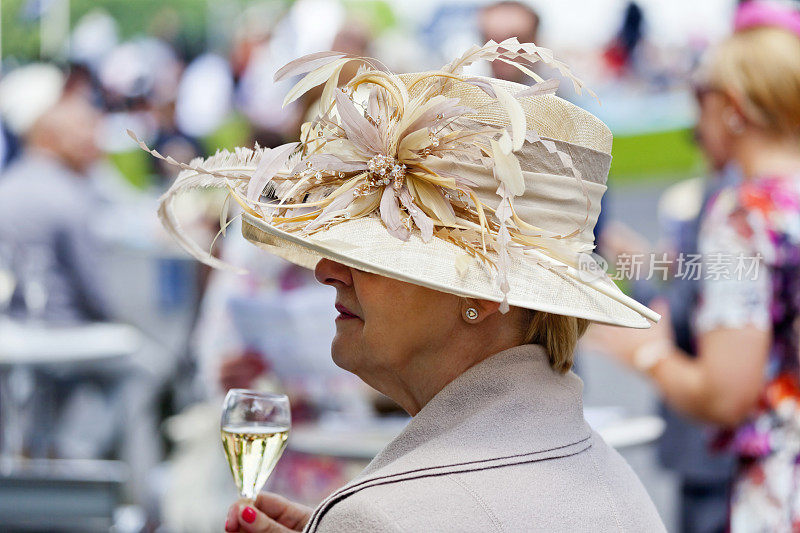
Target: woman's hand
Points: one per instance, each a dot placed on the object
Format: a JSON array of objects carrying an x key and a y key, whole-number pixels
[{"x": 270, "y": 514}]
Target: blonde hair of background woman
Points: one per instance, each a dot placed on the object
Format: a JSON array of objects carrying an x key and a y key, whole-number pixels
[{"x": 760, "y": 69}]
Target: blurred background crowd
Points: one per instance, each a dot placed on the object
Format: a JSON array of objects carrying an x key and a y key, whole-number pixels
[{"x": 116, "y": 347}]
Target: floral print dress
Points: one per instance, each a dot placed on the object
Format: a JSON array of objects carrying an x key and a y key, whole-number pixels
[{"x": 754, "y": 229}]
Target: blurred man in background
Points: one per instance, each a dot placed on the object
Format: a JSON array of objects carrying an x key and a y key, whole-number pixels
[
  {"x": 46, "y": 202},
  {"x": 503, "y": 20}
]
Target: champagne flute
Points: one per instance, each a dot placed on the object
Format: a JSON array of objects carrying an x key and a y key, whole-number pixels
[{"x": 255, "y": 427}]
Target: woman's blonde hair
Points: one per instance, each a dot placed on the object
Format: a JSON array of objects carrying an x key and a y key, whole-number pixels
[
  {"x": 761, "y": 67},
  {"x": 558, "y": 334}
]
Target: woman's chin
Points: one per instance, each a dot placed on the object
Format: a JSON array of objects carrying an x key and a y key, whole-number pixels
[{"x": 342, "y": 351}]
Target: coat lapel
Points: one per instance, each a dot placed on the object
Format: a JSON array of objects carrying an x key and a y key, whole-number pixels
[{"x": 510, "y": 408}]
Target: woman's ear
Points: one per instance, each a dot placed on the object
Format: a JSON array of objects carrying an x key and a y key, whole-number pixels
[{"x": 474, "y": 311}]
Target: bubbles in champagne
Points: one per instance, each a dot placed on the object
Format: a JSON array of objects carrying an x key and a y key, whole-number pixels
[{"x": 252, "y": 452}]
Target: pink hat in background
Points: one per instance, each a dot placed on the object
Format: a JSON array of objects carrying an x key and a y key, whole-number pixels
[{"x": 759, "y": 13}]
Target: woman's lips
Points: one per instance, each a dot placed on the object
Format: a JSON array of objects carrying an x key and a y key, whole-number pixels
[{"x": 344, "y": 313}]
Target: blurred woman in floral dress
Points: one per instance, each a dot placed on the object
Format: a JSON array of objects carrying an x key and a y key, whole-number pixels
[{"x": 746, "y": 377}]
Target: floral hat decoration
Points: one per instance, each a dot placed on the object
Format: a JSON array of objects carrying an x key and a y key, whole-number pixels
[{"x": 468, "y": 185}]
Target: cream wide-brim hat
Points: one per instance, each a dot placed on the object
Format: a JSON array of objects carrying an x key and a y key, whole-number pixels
[
  {"x": 431, "y": 265},
  {"x": 564, "y": 166}
]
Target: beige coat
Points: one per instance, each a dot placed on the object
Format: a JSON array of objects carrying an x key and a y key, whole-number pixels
[{"x": 504, "y": 448}]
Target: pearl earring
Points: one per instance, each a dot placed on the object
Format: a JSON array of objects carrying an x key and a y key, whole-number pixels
[
  {"x": 734, "y": 122},
  {"x": 472, "y": 313}
]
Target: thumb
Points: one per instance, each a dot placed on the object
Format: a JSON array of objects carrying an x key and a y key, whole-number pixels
[{"x": 251, "y": 520}]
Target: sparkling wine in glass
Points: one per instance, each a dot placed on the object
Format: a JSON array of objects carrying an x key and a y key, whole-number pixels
[{"x": 255, "y": 427}]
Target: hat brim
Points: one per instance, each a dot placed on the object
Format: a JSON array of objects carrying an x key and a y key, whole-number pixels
[{"x": 366, "y": 245}]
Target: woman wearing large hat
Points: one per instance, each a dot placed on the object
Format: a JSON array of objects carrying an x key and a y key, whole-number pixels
[{"x": 454, "y": 217}]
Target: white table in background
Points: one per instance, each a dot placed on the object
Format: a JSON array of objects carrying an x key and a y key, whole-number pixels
[
  {"x": 28, "y": 347},
  {"x": 41, "y": 344}
]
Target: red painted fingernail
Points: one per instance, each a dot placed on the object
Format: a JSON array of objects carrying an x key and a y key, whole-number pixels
[
  {"x": 249, "y": 515},
  {"x": 227, "y": 524}
]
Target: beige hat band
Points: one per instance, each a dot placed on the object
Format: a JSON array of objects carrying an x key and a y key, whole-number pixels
[
  {"x": 551, "y": 202},
  {"x": 592, "y": 165}
]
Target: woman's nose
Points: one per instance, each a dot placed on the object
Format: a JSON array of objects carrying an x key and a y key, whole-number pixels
[{"x": 332, "y": 273}]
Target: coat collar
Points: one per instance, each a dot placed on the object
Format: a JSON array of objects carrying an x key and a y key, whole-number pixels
[
  {"x": 509, "y": 404},
  {"x": 510, "y": 408}
]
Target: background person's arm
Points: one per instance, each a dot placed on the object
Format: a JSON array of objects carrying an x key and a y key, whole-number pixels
[{"x": 723, "y": 383}]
